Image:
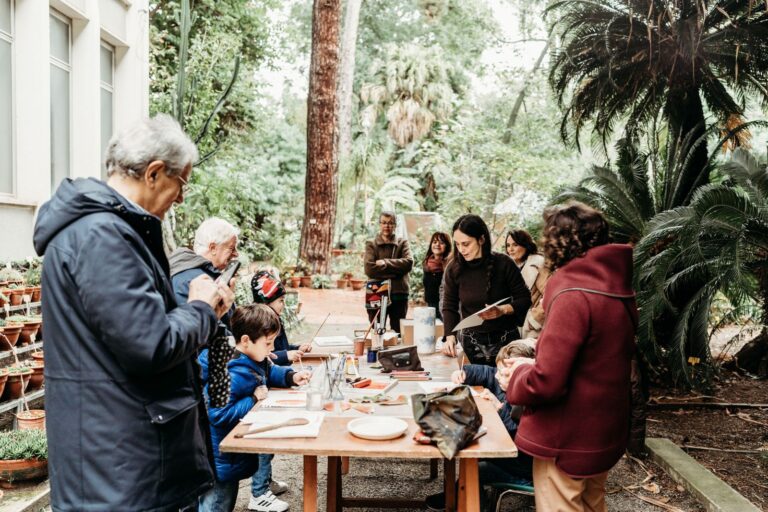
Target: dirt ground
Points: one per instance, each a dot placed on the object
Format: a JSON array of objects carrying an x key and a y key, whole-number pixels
[{"x": 730, "y": 428}]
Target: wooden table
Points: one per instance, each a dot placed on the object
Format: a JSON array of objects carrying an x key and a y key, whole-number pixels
[{"x": 335, "y": 442}]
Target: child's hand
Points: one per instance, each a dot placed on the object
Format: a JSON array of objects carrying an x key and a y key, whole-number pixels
[
  {"x": 503, "y": 375},
  {"x": 301, "y": 378},
  {"x": 295, "y": 355},
  {"x": 458, "y": 377},
  {"x": 487, "y": 395},
  {"x": 261, "y": 393},
  {"x": 306, "y": 347}
]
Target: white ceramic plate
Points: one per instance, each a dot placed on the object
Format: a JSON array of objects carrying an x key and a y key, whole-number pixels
[{"x": 377, "y": 428}]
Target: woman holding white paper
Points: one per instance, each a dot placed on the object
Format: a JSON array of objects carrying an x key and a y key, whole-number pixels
[{"x": 475, "y": 278}]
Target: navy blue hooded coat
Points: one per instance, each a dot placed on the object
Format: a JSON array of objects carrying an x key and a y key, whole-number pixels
[{"x": 127, "y": 428}]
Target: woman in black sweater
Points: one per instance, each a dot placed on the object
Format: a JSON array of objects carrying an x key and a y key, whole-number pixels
[
  {"x": 434, "y": 265},
  {"x": 475, "y": 278}
]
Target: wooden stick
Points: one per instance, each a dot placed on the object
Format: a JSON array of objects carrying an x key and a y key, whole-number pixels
[
  {"x": 709, "y": 449},
  {"x": 370, "y": 326},
  {"x": 318, "y": 329},
  {"x": 711, "y": 405},
  {"x": 652, "y": 501}
]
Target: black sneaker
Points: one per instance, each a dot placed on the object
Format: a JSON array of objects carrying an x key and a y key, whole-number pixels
[{"x": 436, "y": 502}]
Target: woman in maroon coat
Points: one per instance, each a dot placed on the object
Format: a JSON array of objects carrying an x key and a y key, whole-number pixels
[{"x": 577, "y": 392}]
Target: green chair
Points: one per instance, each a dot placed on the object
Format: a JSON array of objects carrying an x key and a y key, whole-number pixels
[{"x": 500, "y": 489}]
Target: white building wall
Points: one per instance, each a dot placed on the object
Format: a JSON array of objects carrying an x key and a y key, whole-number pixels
[{"x": 121, "y": 23}]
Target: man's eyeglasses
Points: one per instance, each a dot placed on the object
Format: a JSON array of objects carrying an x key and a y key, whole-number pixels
[
  {"x": 387, "y": 223},
  {"x": 184, "y": 185}
]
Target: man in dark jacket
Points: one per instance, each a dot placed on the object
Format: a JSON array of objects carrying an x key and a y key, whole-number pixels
[
  {"x": 389, "y": 257},
  {"x": 126, "y": 425},
  {"x": 577, "y": 391}
]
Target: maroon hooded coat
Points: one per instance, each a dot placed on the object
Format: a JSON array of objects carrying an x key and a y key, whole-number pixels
[{"x": 577, "y": 394}]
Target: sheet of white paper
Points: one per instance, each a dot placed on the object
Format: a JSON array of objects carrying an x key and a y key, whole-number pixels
[
  {"x": 332, "y": 341},
  {"x": 260, "y": 418},
  {"x": 285, "y": 398},
  {"x": 474, "y": 320},
  {"x": 436, "y": 385}
]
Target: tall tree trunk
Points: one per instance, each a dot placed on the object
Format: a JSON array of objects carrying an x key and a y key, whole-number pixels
[
  {"x": 686, "y": 116},
  {"x": 346, "y": 79},
  {"x": 322, "y": 157},
  {"x": 521, "y": 95}
]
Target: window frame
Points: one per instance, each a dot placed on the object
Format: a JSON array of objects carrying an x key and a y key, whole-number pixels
[
  {"x": 103, "y": 86},
  {"x": 10, "y": 38},
  {"x": 68, "y": 68}
]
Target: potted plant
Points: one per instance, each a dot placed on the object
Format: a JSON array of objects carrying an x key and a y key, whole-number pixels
[
  {"x": 15, "y": 294},
  {"x": 23, "y": 456},
  {"x": 321, "y": 282},
  {"x": 3, "y": 379},
  {"x": 342, "y": 282},
  {"x": 357, "y": 283},
  {"x": 29, "y": 327},
  {"x": 38, "y": 376},
  {"x": 11, "y": 331},
  {"x": 31, "y": 419},
  {"x": 306, "y": 280},
  {"x": 11, "y": 276},
  {"x": 18, "y": 378},
  {"x": 38, "y": 355},
  {"x": 33, "y": 280}
]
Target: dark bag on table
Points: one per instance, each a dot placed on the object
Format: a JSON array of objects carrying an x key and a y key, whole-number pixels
[
  {"x": 401, "y": 358},
  {"x": 450, "y": 419}
]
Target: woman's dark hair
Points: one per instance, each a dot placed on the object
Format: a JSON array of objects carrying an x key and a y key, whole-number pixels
[
  {"x": 255, "y": 321},
  {"x": 524, "y": 240},
  {"x": 473, "y": 226},
  {"x": 570, "y": 231},
  {"x": 445, "y": 239}
]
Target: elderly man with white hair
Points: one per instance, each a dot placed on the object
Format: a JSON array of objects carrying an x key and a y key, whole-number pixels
[{"x": 126, "y": 423}]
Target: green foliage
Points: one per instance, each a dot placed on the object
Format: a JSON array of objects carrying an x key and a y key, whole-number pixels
[
  {"x": 8, "y": 273},
  {"x": 416, "y": 277},
  {"x": 23, "y": 444},
  {"x": 321, "y": 282},
  {"x": 718, "y": 243}
]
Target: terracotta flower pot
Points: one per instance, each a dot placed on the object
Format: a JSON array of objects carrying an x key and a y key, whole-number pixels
[
  {"x": 21, "y": 469},
  {"x": 28, "y": 332},
  {"x": 33, "y": 419},
  {"x": 38, "y": 355},
  {"x": 12, "y": 332},
  {"x": 342, "y": 283},
  {"x": 16, "y": 383},
  {"x": 295, "y": 282},
  {"x": 16, "y": 296},
  {"x": 357, "y": 284},
  {"x": 37, "y": 378},
  {"x": 3, "y": 380},
  {"x": 306, "y": 281},
  {"x": 36, "y": 292}
]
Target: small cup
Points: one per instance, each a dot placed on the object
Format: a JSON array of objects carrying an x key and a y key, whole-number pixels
[
  {"x": 372, "y": 355},
  {"x": 314, "y": 400},
  {"x": 359, "y": 347}
]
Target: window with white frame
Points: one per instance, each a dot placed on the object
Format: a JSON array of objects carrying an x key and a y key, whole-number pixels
[
  {"x": 107, "y": 73},
  {"x": 61, "y": 70},
  {"x": 6, "y": 97}
]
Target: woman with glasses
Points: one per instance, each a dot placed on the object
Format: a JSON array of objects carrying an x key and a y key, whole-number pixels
[{"x": 389, "y": 257}]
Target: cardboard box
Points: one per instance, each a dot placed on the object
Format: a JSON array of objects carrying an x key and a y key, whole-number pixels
[{"x": 406, "y": 330}]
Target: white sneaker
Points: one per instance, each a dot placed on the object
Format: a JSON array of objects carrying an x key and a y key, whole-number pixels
[
  {"x": 277, "y": 487},
  {"x": 267, "y": 502}
]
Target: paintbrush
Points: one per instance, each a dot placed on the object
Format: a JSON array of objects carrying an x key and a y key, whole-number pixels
[
  {"x": 370, "y": 326},
  {"x": 461, "y": 367},
  {"x": 318, "y": 329}
]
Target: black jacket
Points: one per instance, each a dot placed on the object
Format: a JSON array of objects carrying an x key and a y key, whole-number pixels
[{"x": 123, "y": 395}]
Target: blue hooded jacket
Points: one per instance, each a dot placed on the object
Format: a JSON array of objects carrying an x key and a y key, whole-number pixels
[
  {"x": 484, "y": 375},
  {"x": 246, "y": 375},
  {"x": 127, "y": 429}
]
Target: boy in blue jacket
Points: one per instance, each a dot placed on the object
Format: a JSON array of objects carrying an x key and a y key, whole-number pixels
[
  {"x": 267, "y": 289},
  {"x": 254, "y": 328}
]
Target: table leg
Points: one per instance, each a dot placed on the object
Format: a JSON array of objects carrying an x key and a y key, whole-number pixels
[
  {"x": 449, "y": 485},
  {"x": 345, "y": 465},
  {"x": 469, "y": 486},
  {"x": 334, "y": 484},
  {"x": 310, "y": 483}
]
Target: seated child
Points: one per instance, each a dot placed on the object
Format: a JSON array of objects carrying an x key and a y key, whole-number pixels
[
  {"x": 254, "y": 328},
  {"x": 267, "y": 289},
  {"x": 514, "y": 470}
]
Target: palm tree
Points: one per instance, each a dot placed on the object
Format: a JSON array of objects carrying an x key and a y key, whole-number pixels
[
  {"x": 720, "y": 244},
  {"x": 636, "y": 58}
]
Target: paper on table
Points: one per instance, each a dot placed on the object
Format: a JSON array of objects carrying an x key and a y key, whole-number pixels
[
  {"x": 474, "y": 320},
  {"x": 285, "y": 398},
  {"x": 436, "y": 386},
  {"x": 260, "y": 418},
  {"x": 332, "y": 341}
]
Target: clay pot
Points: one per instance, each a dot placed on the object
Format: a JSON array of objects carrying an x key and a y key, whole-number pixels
[
  {"x": 12, "y": 331},
  {"x": 16, "y": 383},
  {"x": 306, "y": 281},
  {"x": 33, "y": 419},
  {"x": 38, "y": 355},
  {"x": 3, "y": 380},
  {"x": 37, "y": 378},
  {"x": 21, "y": 469},
  {"x": 36, "y": 292},
  {"x": 16, "y": 296},
  {"x": 295, "y": 282},
  {"x": 28, "y": 332},
  {"x": 342, "y": 283},
  {"x": 357, "y": 284}
]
